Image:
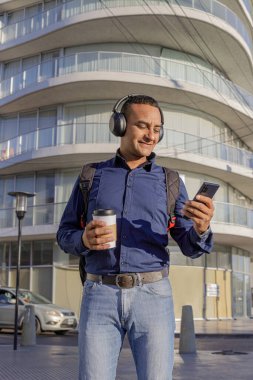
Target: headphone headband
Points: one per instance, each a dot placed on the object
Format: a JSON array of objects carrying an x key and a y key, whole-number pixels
[{"x": 120, "y": 101}]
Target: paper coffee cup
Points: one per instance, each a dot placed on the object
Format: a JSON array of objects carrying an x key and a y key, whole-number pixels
[{"x": 109, "y": 217}]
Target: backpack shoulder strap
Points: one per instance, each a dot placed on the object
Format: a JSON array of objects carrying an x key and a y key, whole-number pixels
[
  {"x": 172, "y": 187},
  {"x": 86, "y": 178}
]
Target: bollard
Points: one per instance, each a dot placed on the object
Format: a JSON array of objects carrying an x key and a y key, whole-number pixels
[
  {"x": 28, "y": 337},
  {"x": 187, "y": 343}
]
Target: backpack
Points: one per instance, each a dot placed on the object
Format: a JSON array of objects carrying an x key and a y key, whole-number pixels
[{"x": 86, "y": 179}]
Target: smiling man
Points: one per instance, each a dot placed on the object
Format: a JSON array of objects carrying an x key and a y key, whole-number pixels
[{"x": 127, "y": 290}]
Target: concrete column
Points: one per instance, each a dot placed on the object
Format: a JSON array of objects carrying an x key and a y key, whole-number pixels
[
  {"x": 187, "y": 344},
  {"x": 28, "y": 337}
]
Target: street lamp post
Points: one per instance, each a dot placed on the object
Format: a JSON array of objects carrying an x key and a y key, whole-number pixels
[{"x": 21, "y": 208}]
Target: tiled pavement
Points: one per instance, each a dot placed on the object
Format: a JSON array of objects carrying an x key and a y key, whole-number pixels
[{"x": 43, "y": 362}]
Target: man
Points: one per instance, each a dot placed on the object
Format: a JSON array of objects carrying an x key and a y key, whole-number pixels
[{"x": 139, "y": 304}]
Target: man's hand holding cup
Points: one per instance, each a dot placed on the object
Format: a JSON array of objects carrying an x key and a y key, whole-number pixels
[{"x": 100, "y": 233}]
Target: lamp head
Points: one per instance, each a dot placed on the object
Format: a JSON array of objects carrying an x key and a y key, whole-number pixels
[{"x": 21, "y": 202}]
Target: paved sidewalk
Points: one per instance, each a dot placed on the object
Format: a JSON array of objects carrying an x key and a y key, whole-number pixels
[
  {"x": 61, "y": 363},
  {"x": 43, "y": 362}
]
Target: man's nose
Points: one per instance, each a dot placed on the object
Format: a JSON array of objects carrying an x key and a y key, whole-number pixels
[{"x": 151, "y": 134}]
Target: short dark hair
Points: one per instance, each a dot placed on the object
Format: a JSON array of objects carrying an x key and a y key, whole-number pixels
[{"x": 138, "y": 99}]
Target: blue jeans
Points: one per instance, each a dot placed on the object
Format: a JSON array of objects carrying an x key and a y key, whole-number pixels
[{"x": 145, "y": 312}]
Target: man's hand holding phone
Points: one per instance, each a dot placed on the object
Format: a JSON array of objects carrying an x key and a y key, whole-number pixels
[
  {"x": 200, "y": 212},
  {"x": 201, "y": 209}
]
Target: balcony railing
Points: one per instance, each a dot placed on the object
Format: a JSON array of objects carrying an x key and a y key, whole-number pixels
[
  {"x": 188, "y": 143},
  {"x": 49, "y": 214},
  {"x": 247, "y": 4},
  {"x": 43, "y": 20},
  {"x": 128, "y": 63},
  {"x": 233, "y": 214},
  {"x": 94, "y": 133}
]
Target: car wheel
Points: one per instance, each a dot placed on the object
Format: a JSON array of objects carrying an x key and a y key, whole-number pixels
[
  {"x": 37, "y": 326},
  {"x": 60, "y": 332}
]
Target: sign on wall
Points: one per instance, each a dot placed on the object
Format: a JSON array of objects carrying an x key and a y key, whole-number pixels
[{"x": 212, "y": 290}]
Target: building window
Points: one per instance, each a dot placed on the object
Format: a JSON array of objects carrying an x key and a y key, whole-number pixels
[
  {"x": 241, "y": 283},
  {"x": 42, "y": 253},
  {"x": 44, "y": 210},
  {"x": 36, "y": 265},
  {"x": 25, "y": 259},
  {"x": 4, "y": 263}
]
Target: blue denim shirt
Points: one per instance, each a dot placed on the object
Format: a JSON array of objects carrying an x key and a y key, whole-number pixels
[{"x": 139, "y": 198}]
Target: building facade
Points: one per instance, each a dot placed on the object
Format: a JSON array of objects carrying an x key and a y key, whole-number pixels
[{"x": 64, "y": 64}]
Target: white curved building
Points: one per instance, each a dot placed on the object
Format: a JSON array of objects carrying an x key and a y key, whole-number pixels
[{"x": 63, "y": 65}]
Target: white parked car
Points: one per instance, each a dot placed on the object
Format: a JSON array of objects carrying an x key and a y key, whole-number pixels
[{"x": 48, "y": 316}]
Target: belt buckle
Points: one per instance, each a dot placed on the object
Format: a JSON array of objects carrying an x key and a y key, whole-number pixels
[{"x": 134, "y": 278}]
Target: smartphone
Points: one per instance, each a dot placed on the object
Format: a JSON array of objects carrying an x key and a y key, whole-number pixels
[{"x": 208, "y": 189}]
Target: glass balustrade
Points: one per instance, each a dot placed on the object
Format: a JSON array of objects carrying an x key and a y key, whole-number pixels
[
  {"x": 98, "y": 133},
  {"x": 49, "y": 214},
  {"x": 129, "y": 63},
  {"x": 41, "y": 21},
  {"x": 233, "y": 214},
  {"x": 247, "y": 4},
  {"x": 180, "y": 141}
]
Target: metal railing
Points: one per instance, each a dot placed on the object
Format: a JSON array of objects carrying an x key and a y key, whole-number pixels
[
  {"x": 120, "y": 62},
  {"x": 49, "y": 214},
  {"x": 46, "y": 214},
  {"x": 248, "y": 6},
  {"x": 233, "y": 214},
  {"x": 98, "y": 133},
  {"x": 43, "y": 20}
]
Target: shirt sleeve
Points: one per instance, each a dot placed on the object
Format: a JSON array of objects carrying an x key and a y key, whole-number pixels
[
  {"x": 70, "y": 231},
  {"x": 190, "y": 242}
]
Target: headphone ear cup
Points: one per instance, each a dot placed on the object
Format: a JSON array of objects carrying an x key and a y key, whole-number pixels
[
  {"x": 161, "y": 133},
  {"x": 117, "y": 124}
]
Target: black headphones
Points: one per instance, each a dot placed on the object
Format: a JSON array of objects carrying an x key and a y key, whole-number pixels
[{"x": 117, "y": 123}]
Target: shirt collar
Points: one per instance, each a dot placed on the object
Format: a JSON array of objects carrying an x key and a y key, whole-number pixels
[{"x": 119, "y": 161}]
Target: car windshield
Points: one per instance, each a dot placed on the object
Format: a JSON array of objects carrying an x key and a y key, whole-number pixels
[{"x": 33, "y": 298}]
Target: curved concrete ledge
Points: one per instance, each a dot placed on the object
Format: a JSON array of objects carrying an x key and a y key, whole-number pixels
[
  {"x": 30, "y": 233},
  {"x": 233, "y": 235},
  {"x": 64, "y": 156}
]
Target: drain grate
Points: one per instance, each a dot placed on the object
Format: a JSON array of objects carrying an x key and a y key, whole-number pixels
[{"x": 229, "y": 352}]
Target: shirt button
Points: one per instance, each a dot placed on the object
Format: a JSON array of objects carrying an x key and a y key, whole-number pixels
[{"x": 122, "y": 262}]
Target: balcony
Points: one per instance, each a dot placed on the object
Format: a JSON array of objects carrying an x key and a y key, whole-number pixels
[
  {"x": 179, "y": 150},
  {"x": 41, "y": 21},
  {"x": 103, "y": 61},
  {"x": 219, "y": 96},
  {"x": 44, "y": 219},
  {"x": 228, "y": 213},
  {"x": 90, "y": 133},
  {"x": 234, "y": 225},
  {"x": 90, "y": 22}
]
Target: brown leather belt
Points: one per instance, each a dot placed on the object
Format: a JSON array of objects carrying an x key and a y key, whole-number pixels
[{"x": 129, "y": 280}]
